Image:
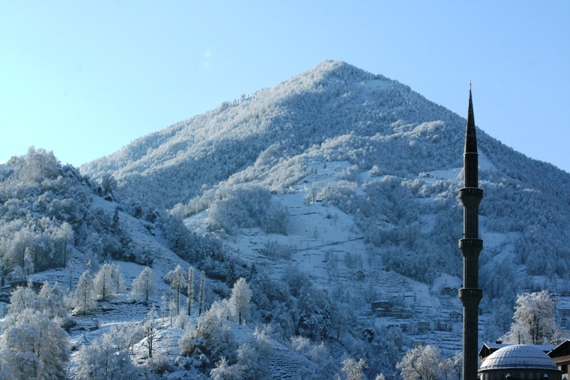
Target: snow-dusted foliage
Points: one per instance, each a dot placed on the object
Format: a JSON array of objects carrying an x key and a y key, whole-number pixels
[
  {"x": 253, "y": 356},
  {"x": 150, "y": 328},
  {"x": 225, "y": 371},
  {"x": 353, "y": 370},
  {"x": 177, "y": 280},
  {"x": 240, "y": 300},
  {"x": 46, "y": 211},
  {"x": 108, "y": 282},
  {"x": 534, "y": 321},
  {"x": 211, "y": 339},
  {"x": 51, "y": 302},
  {"x": 33, "y": 345},
  {"x": 104, "y": 358},
  {"x": 421, "y": 363},
  {"x": 253, "y": 359},
  {"x": 246, "y": 208},
  {"x": 84, "y": 300},
  {"x": 145, "y": 284}
]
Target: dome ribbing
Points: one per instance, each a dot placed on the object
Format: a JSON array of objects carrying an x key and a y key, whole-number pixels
[{"x": 518, "y": 356}]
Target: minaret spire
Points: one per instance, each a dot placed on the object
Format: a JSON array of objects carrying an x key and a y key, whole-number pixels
[{"x": 470, "y": 247}]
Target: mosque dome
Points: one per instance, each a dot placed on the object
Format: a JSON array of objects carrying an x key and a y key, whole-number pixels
[
  {"x": 516, "y": 360},
  {"x": 519, "y": 356}
]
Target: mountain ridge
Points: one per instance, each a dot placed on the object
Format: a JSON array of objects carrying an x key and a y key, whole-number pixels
[{"x": 287, "y": 112}]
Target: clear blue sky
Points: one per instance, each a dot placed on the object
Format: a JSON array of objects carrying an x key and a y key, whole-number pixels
[{"x": 84, "y": 78}]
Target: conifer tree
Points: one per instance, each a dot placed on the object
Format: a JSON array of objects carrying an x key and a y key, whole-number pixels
[
  {"x": 240, "y": 300},
  {"x": 51, "y": 301},
  {"x": 145, "y": 284},
  {"x": 84, "y": 296}
]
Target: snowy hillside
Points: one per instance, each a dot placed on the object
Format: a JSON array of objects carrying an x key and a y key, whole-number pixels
[
  {"x": 363, "y": 165},
  {"x": 330, "y": 200}
]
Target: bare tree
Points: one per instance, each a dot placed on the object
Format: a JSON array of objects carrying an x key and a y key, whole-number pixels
[
  {"x": 177, "y": 280},
  {"x": 201, "y": 294},
  {"x": 190, "y": 289},
  {"x": 150, "y": 330}
]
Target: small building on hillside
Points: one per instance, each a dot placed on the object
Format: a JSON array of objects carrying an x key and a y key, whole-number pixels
[{"x": 382, "y": 308}]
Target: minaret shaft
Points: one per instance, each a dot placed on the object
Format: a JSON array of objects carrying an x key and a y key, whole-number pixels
[{"x": 470, "y": 246}]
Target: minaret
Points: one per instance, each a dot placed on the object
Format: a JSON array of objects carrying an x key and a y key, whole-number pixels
[{"x": 470, "y": 247}]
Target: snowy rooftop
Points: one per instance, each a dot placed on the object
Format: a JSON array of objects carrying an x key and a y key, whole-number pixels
[{"x": 518, "y": 356}]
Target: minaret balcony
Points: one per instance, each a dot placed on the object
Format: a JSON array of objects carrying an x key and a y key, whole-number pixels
[{"x": 470, "y": 196}]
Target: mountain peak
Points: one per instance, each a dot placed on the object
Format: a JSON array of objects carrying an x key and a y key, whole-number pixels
[{"x": 339, "y": 70}]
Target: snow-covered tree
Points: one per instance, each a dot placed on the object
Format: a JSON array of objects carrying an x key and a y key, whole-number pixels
[
  {"x": 177, "y": 280},
  {"x": 23, "y": 298},
  {"x": 253, "y": 357},
  {"x": 108, "y": 184},
  {"x": 103, "y": 359},
  {"x": 33, "y": 346},
  {"x": 240, "y": 300},
  {"x": 212, "y": 338},
  {"x": 421, "y": 363},
  {"x": 51, "y": 301},
  {"x": 126, "y": 335},
  {"x": 224, "y": 371},
  {"x": 353, "y": 369},
  {"x": 108, "y": 281},
  {"x": 150, "y": 330},
  {"x": 84, "y": 297},
  {"x": 301, "y": 344},
  {"x": 534, "y": 321},
  {"x": 145, "y": 284},
  {"x": 190, "y": 289}
]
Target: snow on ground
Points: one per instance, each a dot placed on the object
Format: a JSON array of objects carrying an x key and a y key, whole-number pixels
[
  {"x": 320, "y": 232},
  {"x": 319, "y": 235},
  {"x": 125, "y": 308}
]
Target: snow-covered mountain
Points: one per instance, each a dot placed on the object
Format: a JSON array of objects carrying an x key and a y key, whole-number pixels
[
  {"x": 333, "y": 193},
  {"x": 399, "y": 158}
]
